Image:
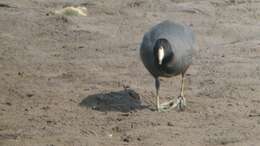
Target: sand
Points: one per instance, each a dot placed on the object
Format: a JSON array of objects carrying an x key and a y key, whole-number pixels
[{"x": 79, "y": 81}]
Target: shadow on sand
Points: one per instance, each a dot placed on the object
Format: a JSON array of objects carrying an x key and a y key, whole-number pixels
[{"x": 123, "y": 101}]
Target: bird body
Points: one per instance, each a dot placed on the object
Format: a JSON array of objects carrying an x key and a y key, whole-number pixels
[
  {"x": 182, "y": 43},
  {"x": 166, "y": 51}
]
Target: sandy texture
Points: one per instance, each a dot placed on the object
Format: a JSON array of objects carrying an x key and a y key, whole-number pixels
[{"x": 78, "y": 81}]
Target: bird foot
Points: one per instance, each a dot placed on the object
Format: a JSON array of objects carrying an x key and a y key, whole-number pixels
[
  {"x": 166, "y": 106},
  {"x": 180, "y": 104}
]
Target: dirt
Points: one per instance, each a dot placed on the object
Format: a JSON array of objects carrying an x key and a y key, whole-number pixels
[{"x": 79, "y": 81}]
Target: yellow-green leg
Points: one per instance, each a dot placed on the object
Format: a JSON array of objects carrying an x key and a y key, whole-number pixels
[
  {"x": 181, "y": 101},
  {"x": 164, "y": 106}
]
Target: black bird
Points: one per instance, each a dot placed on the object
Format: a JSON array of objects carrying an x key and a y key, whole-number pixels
[{"x": 166, "y": 51}]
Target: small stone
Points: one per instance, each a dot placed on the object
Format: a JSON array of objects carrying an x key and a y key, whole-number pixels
[
  {"x": 45, "y": 108},
  {"x": 170, "y": 124},
  {"x": 80, "y": 47},
  {"x": 125, "y": 114},
  {"x": 110, "y": 135},
  {"x": 230, "y": 104},
  {"x": 20, "y": 73},
  {"x": 8, "y": 103},
  {"x": 29, "y": 95},
  {"x": 126, "y": 140}
]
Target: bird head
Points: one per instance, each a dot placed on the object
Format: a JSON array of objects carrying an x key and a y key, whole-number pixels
[{"x": 162, "y": 52}]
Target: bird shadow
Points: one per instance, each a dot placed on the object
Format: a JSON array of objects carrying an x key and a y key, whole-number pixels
[{"x": 124, "y": 101}]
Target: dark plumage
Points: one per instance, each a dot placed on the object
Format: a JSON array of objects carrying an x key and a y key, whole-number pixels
[{"x": 166, "y": 51}]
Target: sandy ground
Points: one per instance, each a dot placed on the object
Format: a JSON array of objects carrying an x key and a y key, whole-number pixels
[{"x": 78, "y": 81}]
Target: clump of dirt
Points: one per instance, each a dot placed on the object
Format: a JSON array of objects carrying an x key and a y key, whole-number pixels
[{"x": 79, "y": 80}]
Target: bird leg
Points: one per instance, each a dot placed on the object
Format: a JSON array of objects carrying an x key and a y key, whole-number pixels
[
  {"x": 157, "y": 86},
  {"x": 164, "y": 106},
  {"x": 181, "y": 101}
]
